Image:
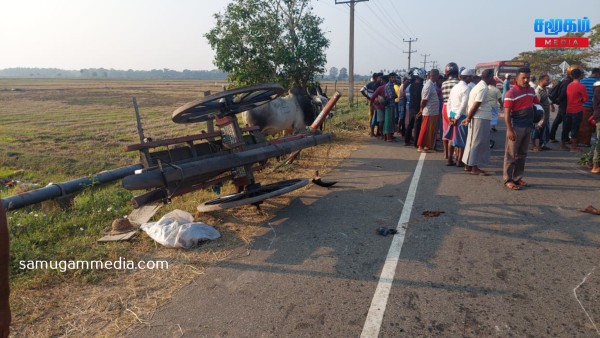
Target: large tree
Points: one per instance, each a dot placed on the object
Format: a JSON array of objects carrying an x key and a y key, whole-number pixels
[
  {"x": 548, "y": 60},
  {"x": 343, "y": 75},
  {"x": 258, "y": 41},
  {"x": 333, "y": 73}
]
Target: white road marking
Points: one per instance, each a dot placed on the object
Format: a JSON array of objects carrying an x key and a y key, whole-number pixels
[
  {"x": 274, "y": 235},
  {"x": 578, "y": 301},
  {"x": 380, "y": 299}
]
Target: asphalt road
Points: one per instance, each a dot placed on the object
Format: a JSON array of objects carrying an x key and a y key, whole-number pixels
[{"x": 495, "y": 263}]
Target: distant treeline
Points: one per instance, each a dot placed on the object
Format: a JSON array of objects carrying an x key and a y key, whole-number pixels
[{"x": 115, "y": 73}]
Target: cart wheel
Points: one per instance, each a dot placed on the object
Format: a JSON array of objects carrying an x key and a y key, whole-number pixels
[
  {"x": 247, "y": 197},
  {"x": 228, "y": 102}
]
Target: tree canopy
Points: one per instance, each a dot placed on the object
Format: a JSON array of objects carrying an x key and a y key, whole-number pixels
[
  {"x": 257, "y": 41},
  {"x": 548, "y": 60}
]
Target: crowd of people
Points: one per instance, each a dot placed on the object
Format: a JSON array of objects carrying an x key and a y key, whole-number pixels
[{"x": 462, "y": 108}]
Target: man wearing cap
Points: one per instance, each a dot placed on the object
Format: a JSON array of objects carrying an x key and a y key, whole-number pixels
[
  {"x": 457, "y": 112},
  {"x": 518, "y": 117},
  {"x": 451, "y": 81}
]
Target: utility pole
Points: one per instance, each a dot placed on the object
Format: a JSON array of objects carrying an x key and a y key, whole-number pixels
[
  {"x": 433, "y": 64},
  {"x": 351, "y": 51},
  {"x": 425, "y": 61},
  {"x": 410, "y": 41}
]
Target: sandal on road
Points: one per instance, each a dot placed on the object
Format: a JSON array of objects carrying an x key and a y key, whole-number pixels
[
  {"x": 522, "y": 183},
  {"x": 480, "y": 172},
  {"x": 590, "y": 210},
  {"x": 511, "y": 186}
]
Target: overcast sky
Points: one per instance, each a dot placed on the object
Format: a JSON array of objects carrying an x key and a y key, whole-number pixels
[{"x": 156, "y": 34}]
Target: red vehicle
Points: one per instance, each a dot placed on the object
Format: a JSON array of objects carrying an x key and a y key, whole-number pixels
[{"x": 501, "y": 68}]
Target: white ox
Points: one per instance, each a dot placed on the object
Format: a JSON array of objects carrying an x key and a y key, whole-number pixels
[{"x": 292, "y": 112}]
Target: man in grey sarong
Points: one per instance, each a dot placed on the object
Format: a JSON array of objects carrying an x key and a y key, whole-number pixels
[{"x": 479, "y": 116}]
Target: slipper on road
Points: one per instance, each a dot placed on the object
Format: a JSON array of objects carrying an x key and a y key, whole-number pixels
[
  {"x": 522, "y": 183},
  {"x": 590, "y": 210},
  {"x": 511, "y": 186}
]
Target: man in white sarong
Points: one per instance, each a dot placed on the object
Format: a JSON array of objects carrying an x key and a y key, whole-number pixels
[{"x": 479, "y": 116}]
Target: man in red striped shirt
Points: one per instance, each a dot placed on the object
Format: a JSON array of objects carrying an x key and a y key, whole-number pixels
[{"x": 518, "y": 117}]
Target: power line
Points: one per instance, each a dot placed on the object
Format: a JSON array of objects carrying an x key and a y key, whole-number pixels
[
  {"x": 400, "y": 17},
  {"x": 386, "y": 16},
  {"x": 382, "y": 38}
]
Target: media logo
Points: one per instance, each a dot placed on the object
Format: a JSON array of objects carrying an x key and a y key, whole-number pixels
[
  {"x": 562, "y": 42},
  {"x": 553, "y": 27},
  {"x": 556, "y": 26}
]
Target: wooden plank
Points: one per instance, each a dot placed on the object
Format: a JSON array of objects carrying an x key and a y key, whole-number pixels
[
  {"x": 143, "y": 214},
  {"x": 171, "y": 141},
  {"x": 182, "y": 139},
  {"x": 116, "y": 238},
  {"x": 252, "y": 128}
]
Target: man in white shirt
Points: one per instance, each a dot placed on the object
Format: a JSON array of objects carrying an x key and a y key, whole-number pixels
[
  {"x": 457, "y": 112},
  {"x": 495, "y": 98},
  {"x": 532, "y": 83},
  {"x": 479, "y": 116},
  {"x": 430, "y": 110}
]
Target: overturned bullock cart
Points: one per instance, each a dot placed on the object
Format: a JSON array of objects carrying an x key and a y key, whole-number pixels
[{"x": 173, "y": 167}]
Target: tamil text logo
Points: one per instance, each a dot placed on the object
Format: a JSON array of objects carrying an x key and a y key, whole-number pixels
[{"x": 553, "y": 27}]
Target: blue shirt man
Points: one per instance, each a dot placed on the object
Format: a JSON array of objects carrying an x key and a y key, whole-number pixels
[
  {"x": 506, "y": 86},
  {"x": 588, "y": 82}
]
